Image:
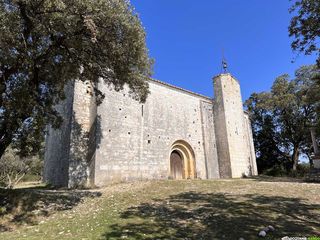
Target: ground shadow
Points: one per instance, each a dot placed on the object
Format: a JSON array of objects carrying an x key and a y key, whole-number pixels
[
  {"x": 25, "y": 206},
  {"x": 307, "y": 179},
  {"x": 265, "y": 178},
  {"x": 195, "y": 215}
]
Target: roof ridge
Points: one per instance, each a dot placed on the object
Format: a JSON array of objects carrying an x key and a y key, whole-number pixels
[{"x": 179, "y": 88}]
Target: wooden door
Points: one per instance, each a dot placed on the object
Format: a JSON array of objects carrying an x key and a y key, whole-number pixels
[{"x": 176, "y": 165}]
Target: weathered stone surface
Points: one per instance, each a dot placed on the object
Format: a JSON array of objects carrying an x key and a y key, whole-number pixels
[
  {"x": 56, "y": 164},
  {"x": 136, "y": 138},
  {"x": 233, "y": 131},
  {"x": 122, "y": 139},
  {"x": 83, "y": 135}
]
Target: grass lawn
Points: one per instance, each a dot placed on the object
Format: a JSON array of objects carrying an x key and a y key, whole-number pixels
[{"x": 191, "y": 209}]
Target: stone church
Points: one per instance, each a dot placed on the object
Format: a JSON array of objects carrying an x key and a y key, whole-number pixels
[{"x": 175, "y": 134}]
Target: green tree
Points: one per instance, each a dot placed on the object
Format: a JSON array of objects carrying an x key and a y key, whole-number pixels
[
  {"x": 265, "y": 134},
  {"x": 305, "y": 28},
  {"x": 292, "y": 115},
  {"x": 46, "y": 43},
  {"x": 282, "y": 117},
  {"x": 14, "y": 168}
]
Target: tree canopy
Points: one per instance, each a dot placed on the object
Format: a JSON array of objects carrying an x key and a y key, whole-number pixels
[
  {"x": 281, "y": 119},
  {"x": 46, "y": 43},
  {"x": 305, "y": 28}
]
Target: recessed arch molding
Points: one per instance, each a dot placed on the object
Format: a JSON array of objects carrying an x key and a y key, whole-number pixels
[{"x": 182, "y": 161}]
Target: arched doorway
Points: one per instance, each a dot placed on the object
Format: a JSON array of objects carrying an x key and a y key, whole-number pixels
[
  {"x": 182, "y": 161},
  {"x": 176, "y": 165}
]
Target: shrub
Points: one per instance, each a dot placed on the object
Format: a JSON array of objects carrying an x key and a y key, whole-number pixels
[{"x": 14, "y": 168}]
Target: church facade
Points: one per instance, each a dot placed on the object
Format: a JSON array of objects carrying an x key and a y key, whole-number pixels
[{"x": 175, "y": 134}]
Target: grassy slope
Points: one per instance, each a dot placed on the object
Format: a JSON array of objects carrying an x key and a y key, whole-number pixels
[{"x": 221, "y": 209}]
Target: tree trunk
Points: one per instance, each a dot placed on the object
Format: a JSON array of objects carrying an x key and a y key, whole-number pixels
[
  {"x": 311, "y": 163},
  {"x": 295, "y": 158},
  {"x": 4, "y": 144},
  {"x": 310, "y": 160},
  {"x": 9, "y": 182},
  {"x": 5, "y": 137},
  {"x": 18, "y": 179}
]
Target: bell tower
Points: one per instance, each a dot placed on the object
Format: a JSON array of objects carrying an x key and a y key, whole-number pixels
[{"x": 232, "y": 136}]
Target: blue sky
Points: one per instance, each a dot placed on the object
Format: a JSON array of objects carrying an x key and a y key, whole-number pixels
[{"x": 186, "y": 39}]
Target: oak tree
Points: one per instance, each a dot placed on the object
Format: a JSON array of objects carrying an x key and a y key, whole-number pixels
[
  {"x": 305, "y": 28},
  {"x": 44, "y": 44},
  {"x": 282, "y": 118}
]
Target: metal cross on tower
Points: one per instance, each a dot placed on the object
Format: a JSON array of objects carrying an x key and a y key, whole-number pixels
[
  {"x": 224, "y": 63},
  {"x": 224, "y": 66}
]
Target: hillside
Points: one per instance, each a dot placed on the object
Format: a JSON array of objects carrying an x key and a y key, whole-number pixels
[{"x": 197, "y": 209}]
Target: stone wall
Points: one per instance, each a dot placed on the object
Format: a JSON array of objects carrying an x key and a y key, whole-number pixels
[
  {"x": 123, "y": 139},
  {"x": 136, "y": 138},
  {"x": 231, "y": 128},
  {"x": 250, "y": 146},
  {"x": 209, "y": 140},
  {"x": 69, "y": 155},
  {"x": 57, "y": 151},
  {"x": 83, "y": 135},
  {"x": 220, "y": 127}
]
